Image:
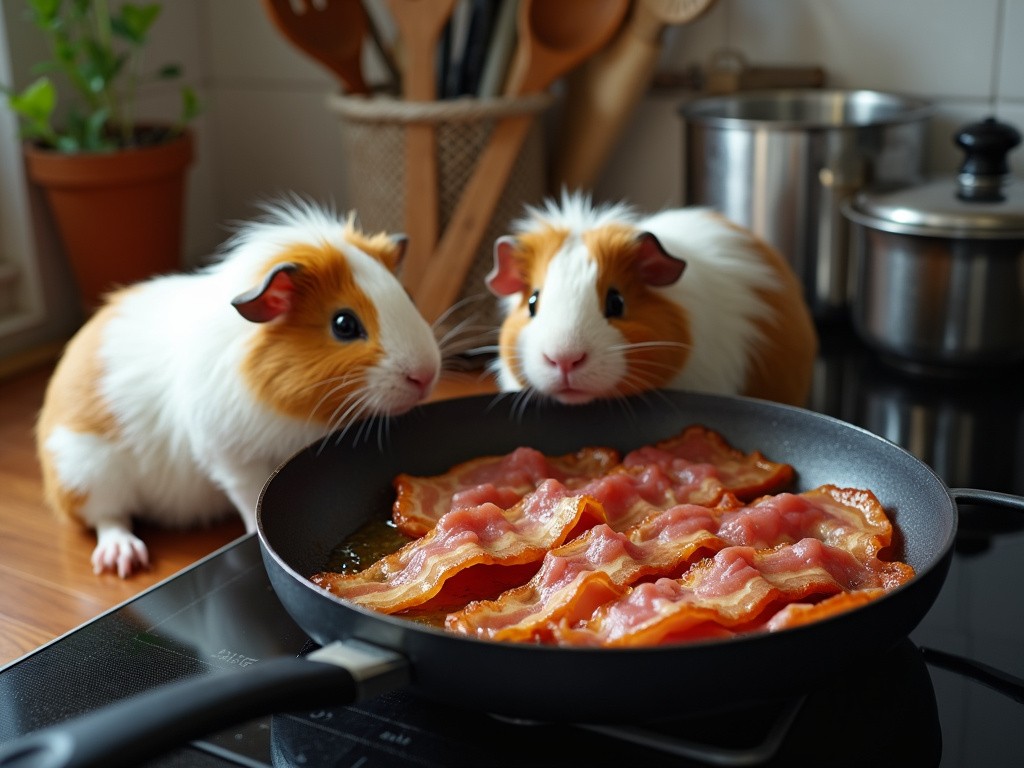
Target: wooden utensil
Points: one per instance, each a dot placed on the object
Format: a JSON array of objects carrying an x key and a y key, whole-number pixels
[
  {"x": 420, "y": 24},
  {"x": 553, "y": 38},
  {"x": 602, "y": 95},
  {"x": 331, "y": 32}
]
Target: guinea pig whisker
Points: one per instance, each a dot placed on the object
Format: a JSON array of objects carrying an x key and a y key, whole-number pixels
[
  {"x": 466, "y": 341},
  {"x": 333, "y": 426},
  {"x": 650, "y": 367},
  {"x": 522, "y": 400},
  {"x": 443, "y": 317},
  {"x": 633, "y": 345},
  {"x": 494, "y": 366},
  {"x": 329, "y": 382},
  {"x": 366, "y": 428},
  {"x": 453, "y": 331},
  {"x": 351, "y": 410},
  {"x": 639, "y": 378},
  {"x": 467, "y": 376},
  {"x": 337, "y": 384},
  {"x": 487, "y": 349},
  {"x": 346, "y": 414}
]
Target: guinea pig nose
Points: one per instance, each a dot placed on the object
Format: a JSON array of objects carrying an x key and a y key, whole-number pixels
[
  {"x": 423, "y": 379},
  {"x": 567, "y": 361}
]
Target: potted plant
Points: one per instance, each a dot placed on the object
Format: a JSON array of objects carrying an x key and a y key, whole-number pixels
[{"x": 115, "y": 185}]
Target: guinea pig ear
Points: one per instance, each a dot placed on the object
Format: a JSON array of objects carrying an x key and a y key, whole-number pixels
[
  {"x": 271, "y": 298},
  {"x": 656, "y": 265},
  {"x": 505, "y": 278},
  {"x": 400, "y": 243}
]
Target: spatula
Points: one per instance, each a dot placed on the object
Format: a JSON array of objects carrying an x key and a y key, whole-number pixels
[
  {"x": 330, "y": 31},
  {"x": 603, "y": 93},
  {"x": 420, "y": 24}
]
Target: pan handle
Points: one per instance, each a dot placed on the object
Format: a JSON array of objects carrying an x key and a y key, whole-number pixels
[
  {"x": 141, "y": 727},
  {"x": 976, "y": 496},
  {"x": 996, "y": 679}
]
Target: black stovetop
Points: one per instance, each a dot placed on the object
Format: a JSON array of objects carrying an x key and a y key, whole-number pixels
[{"x": 904, "y": 709}]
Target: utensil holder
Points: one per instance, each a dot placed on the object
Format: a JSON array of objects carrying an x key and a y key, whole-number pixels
[{"x": 373, "y": 143}]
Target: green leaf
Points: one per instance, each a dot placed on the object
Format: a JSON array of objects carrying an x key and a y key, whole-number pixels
[
  {"x": 68, "y": 145},
  {"x": 97, "y": 49},
  {"x": 45, "y": 13},
  {"x": 134, "y": 21},
  {"x": 93, "y": 133},
  {"x": 189, "y": 104},
  {"x": 37, "y": 102}
]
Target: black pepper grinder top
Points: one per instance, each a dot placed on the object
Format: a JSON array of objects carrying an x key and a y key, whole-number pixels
[{"x": 985, "y": 168}]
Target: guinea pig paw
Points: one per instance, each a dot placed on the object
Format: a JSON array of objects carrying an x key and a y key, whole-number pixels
[{"x": 118, "y": 550}]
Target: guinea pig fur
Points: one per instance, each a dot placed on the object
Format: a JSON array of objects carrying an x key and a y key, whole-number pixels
[
  {"x": 181, "y": 394},
  {"x": 601, "y": 301}
]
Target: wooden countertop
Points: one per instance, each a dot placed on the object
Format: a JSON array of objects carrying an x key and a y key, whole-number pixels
[{"x": 47, "y": 586}]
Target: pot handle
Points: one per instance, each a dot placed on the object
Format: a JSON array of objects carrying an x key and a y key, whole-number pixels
[
  {"x": 976, "y": 496},
  {"x": 141, "y": 727}
]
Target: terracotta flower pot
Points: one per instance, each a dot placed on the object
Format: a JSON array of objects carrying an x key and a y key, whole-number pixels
[{"x": 119, "y": 214}]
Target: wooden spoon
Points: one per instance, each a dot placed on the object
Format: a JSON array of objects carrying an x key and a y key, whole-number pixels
[
  {"x": 420, "y": 24},
  {"x": 331, "y": 32},
  {"x": 553, "y": 38},
  {"x": 603, "y": 94}
]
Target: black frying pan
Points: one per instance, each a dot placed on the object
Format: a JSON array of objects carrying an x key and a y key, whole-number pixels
[{"x": 328, "y": 490}]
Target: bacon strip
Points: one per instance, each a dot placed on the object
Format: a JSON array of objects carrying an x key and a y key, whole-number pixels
[
  {"x": 697, "y": 466},
  {"x": 575, "y": 578},
  {"x": 734, "y": 588},
  {"x": 599, "y": 561},
  {"x": 502, "y": 480},
  {"x": 698, "y": 451},
  {"x": 797, "y": 614},
  {"x": 849, "y": 518},
  {"x": 482, "y": 535}
]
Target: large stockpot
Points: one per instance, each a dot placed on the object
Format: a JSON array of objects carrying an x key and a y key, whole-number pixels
[
  {"x": 939, "y": 267},
  {"x": 781, "y": 162}
]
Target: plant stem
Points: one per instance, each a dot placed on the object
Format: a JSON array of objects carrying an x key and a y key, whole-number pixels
[{"x": 101, "y": 23}]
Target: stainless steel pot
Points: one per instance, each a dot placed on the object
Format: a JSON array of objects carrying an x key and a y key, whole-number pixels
[
  {"x": 939, "y": 268},
  {"x": 781, "y": 162}
]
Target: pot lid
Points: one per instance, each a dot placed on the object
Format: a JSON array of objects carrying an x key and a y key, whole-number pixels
[{"x": 982, "y": 201}]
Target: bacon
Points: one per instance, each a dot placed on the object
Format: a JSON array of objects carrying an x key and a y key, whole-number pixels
[
  {"x": 463, "y": 538},
  {"x": 697, "y": 466},
  {"x": 849, "y": 518},
  {"x": 632, "y": 494},
  {"x": 797, "y": 614},
  {"x": 502, "y": 480},
  {"x": 698, "y": 453},
  {"x": 566, "y": 585},
  {"x": 593, "y": 568},
  {"x": 733, "y": 589},
  {"x": 676, "y": 542}
]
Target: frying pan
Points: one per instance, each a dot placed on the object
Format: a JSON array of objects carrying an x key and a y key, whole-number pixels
[{"x": 326, "y": 491}]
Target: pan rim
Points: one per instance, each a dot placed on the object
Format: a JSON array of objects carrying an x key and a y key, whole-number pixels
[{"x": 488, "y": 401}]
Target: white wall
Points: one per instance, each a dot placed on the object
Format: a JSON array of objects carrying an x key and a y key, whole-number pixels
[{"x": 266, "y": 129}]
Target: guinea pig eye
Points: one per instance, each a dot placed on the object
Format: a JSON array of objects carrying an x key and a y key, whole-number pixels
[
  {"x": 532, "y": 303},
  {"x": 346, "y": 326},
  {"x": 614, "y": 304}
]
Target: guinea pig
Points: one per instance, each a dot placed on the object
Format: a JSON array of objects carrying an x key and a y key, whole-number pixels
[
  {"x": 178, "y": 398},
  {"x": 601, "y": 301}
]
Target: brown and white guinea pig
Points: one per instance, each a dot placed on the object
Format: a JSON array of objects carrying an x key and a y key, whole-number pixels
[
  {"x": 602, "y": 302},
  {"x": 181, "y": 394}
]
